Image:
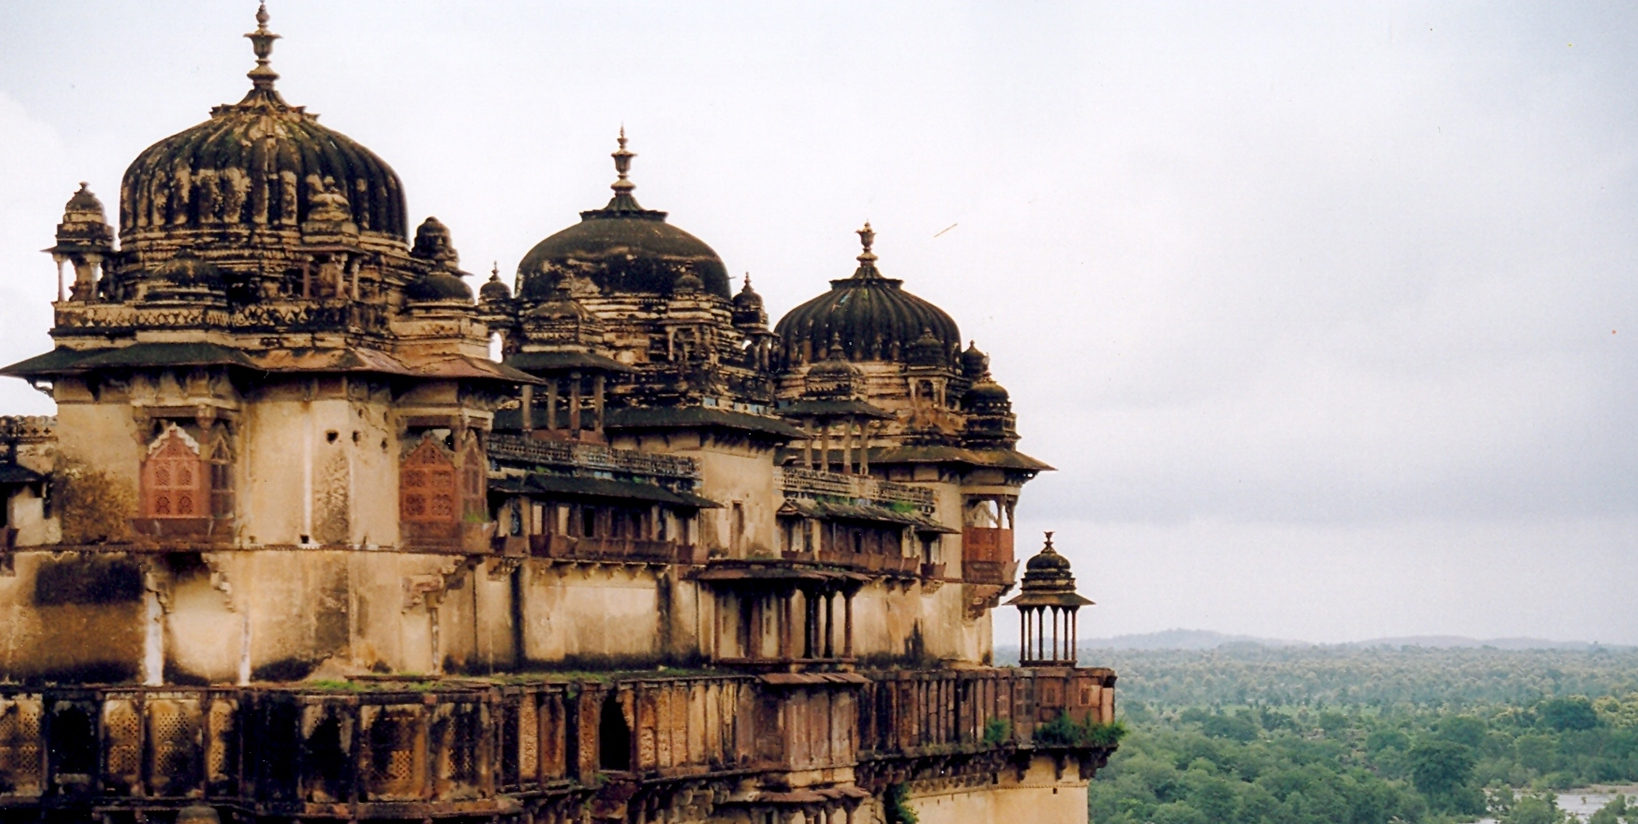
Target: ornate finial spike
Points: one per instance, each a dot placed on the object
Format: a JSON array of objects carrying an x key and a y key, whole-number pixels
[
  {"x": 622, "y": 165},
  {"x": 261, "y": 42},
  {"x": 1048, "y": 541},
  {"x": 867, "y": 237},
  {"x": 494, "y": 271},
  {"x": 747, "y": 281}
]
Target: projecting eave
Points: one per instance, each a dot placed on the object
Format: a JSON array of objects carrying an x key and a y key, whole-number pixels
[
  {"x": 961, "y": 456},
  {"x": 638, "y": 419},
  {"x": 65, "y": 361},
  {"x": 599, "y": 489},
  {"x": 13, "y": 475},
  {"x": 546, "y": 362},
  {"x": 1050, "y": 599},
  {"x": 835, "y": 409}
]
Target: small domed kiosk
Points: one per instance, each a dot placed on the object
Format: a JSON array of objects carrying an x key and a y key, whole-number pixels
[{"x": 1047, "y": 607}]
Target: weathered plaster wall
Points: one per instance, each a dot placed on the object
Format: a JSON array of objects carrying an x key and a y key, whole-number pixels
[
  {"x": 1040, "y": 797},
  {"x": 589, "y": 613},
  {"x": 72, "y": 617},
  {"x": 313, "y": 468}
]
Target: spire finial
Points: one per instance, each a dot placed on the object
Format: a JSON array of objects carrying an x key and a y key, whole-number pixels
[
  {"x": 261, "y": 41},
  {"x": 747, "y": 286},
  {"x": 494, "y": 271},
  {"x": 867, "y": 236},
  {"x": 1048, "y": 547},
  {"x": 622, "y": 165}
]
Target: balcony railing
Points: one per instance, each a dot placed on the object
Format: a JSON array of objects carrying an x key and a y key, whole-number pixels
[
  {"x": 912, "y": 713},
  {"x": 628, "y": 550},
  {"x": 590, "y": 456},
  {"x": 813, "y": 482}
]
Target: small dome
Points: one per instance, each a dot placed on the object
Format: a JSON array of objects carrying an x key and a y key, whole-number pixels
[
  {"x": 985, "y": 393},
  {"x": 257, "y": 163},
  {"x": 748, "y": 310},
  {"x": 974, "y": 363},
  {"x": 438, "y": 286},
  {"x": 1048, "y": 573},
  {"x": 871, "y": 316},
  {"x": 1047, "y": 560},
  {"x": 928, "y": 350},
  {"x": 623, "y": 248},
  {"x": 493, "y": 290},
  {"x": 432, "y": 243},
  {"x": 747, "y": 299},
  {"x": 85, "y": 224}
]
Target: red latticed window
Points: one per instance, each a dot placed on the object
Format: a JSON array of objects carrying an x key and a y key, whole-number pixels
[
  {"x": 174, "y": 479},
  {"x": 426, "y": 484}
]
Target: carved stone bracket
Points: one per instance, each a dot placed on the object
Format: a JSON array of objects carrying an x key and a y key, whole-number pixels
[
  {"x": 428, "y": 589},
  {"x": 499, "y": 569},
  {"x": 219, "y": 578}
]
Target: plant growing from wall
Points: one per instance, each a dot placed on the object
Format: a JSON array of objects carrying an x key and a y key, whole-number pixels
[
  {"x": 895, "y": 805},
  {"x": 1065, "y": 731},
  {"x": 997, "y": 731},
  {"x": 95, "y": 507}
]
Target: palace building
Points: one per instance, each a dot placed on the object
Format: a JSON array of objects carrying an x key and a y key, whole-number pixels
[{"x": 295, "y": 548}]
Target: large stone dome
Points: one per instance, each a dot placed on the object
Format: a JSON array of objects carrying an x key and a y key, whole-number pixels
[
  {"x": 870, "y": 317},
  {"x": 622, "y": 248},
  {"x": 256, "y": 165}
]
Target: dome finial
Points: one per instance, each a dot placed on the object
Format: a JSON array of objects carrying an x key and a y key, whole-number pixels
[
  {"x": 622, "y": 165},
  {"x": 1048, "y": 547},
  {"x": 867, "y": 237},
  {"x": 261, "y": 41}
]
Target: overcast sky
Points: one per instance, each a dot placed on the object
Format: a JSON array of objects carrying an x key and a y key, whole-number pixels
[{"x": 1328, "y": 316}]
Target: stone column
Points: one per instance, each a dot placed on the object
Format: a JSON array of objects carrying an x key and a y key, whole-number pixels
[
  {"x": 551, "y": 405},
  {"x": 574, "y": 404}
]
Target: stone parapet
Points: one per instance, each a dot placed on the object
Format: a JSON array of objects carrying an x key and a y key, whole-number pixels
[
  {"x": 595, "y": 457},
  {"x": 813, "y": 483},
  {"x": 527, "y": 747}
]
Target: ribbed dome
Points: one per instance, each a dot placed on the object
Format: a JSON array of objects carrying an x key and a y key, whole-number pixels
[
  {"x": 438, "y": 286},
  {"x": 254, "y": 164},
  {"x": 871, "y": 316},
  {"x": 623, "y": 248}
]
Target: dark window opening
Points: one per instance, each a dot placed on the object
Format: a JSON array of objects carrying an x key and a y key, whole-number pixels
[
  {"x": 613, "y": 737},
  {"x": 73, "y": 742}
]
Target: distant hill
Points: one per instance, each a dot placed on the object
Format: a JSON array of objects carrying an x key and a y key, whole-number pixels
[
  {"x": 1202, "y": 639},
  {"x": 1460, "y": 642},
  {"x": 1184, "y": 639}
]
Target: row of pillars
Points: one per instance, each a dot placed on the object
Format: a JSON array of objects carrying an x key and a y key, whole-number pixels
[
  {"x": 1047, "y": 635},
  {"x": 854, "y": 440},
  {"x": 818, "y": 625},
  {"x": 574, "y": 422}
]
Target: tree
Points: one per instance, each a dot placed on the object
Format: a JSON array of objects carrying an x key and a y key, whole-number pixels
[
  {"x": 1575, "y": 713},
  {"x": 1442, "y": 770},
  {"x": 1541, "y": 808}
]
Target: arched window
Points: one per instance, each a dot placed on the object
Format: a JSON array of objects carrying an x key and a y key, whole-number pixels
[
  {"x": 175, "y": 482},
  {"x": 221, "y": 475},
  {"x": 474, "y": 472}
]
